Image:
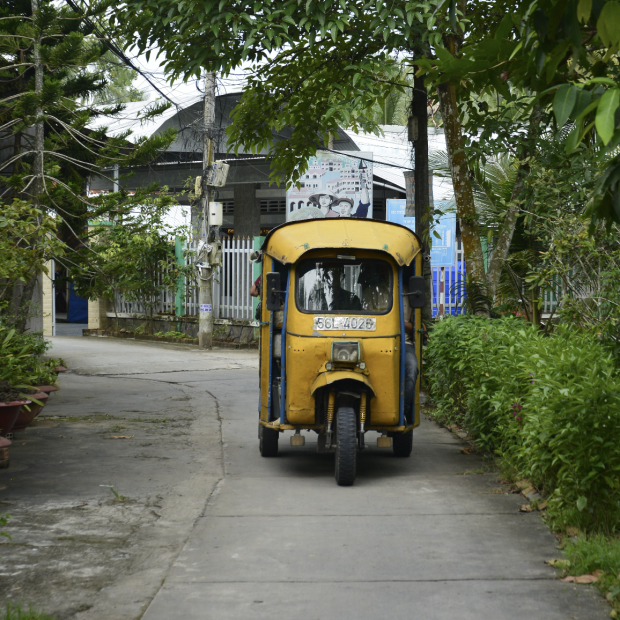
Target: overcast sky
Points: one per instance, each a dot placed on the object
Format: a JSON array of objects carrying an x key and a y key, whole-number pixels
[{"x": 182, "y": 93}]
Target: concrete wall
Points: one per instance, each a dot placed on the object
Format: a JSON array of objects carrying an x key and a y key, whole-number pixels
[{"x": 221, "y": 331}]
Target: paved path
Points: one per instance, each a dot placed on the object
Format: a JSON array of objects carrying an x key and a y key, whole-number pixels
[
  {"x": 413, "y": 538},
  {"x": 425, "y": 537}
]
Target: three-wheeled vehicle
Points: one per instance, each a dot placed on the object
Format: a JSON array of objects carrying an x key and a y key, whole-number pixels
[{"x": 332, "y": 338}]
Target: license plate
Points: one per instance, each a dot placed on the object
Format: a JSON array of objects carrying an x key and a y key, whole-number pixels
[{"x": 339, "y": 323}]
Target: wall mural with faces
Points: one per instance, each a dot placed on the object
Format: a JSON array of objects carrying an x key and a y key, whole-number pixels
[{"x": 334, "y": 185}]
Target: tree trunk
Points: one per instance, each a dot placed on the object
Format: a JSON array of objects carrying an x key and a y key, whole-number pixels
[
  {"x": 39, "y": 137},
  {"x": 463, "y": 194},
  {"x": 23, "y": 309},
  {"x": 500, "y": 251},
  {"x": 22, "y": 305},
  {"x": 422, "y": 201}
]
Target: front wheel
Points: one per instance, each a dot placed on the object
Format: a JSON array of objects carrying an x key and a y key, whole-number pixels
[
  {"x": 346, "y": 446},
  {"x": 402, "y": 444},
  {"x": 268, "y": 441}
]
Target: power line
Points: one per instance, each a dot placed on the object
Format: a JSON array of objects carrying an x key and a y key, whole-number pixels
[
  {"x": 372, "y": 161},
  {"x": 115, "y": 50}
]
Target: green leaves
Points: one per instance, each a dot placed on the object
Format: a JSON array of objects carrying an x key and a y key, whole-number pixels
[
  {"x": 564, "y": 102},
  {"x": 608, "y": 24},
  {"x": 584, "y": 8},
  {"x": 549, "y": 406},
  {"x": 605, "y": 114}
]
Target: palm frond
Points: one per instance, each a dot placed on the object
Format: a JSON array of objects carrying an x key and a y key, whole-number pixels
[{"x": 492, "y": 184}]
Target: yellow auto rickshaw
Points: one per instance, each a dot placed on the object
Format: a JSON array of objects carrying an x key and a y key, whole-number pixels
[{"x": 332, "y": 336}]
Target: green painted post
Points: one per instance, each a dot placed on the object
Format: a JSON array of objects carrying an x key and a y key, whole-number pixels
[
  {"x": 258, "y": 267},
  {"x": 179, "y": 300}
]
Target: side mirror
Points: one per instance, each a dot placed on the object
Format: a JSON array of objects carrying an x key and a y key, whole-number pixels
[
  {"x": 417, "y": 292},
  {"x": 272, "y": 301}
]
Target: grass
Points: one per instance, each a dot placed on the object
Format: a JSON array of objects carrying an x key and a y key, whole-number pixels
[
  {"x": 16, "y": 612},
  {"x": 597, "y": 552},
  {"x": 118, "y": 496},
  {"x": 593, "y": 553}
]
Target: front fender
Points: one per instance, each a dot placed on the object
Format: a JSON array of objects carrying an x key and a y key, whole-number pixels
[{"x": 326, "y": 378}]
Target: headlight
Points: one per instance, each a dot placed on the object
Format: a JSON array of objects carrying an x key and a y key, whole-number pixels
[{"x": 345, "y": 352}]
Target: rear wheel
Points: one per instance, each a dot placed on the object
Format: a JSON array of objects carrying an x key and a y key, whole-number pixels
[
  {"x": 346, "y": 446},
  {"x": 402, "y": 444},
  {"x": 268, "y": 441}
]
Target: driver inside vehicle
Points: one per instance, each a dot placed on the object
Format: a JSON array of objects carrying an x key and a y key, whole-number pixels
[
  {"x": 375, "y": 288},
  {"x": 330, "y": 293}
]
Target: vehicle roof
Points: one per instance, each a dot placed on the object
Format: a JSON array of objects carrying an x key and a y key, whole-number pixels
[{"x": 288, "y": 242}]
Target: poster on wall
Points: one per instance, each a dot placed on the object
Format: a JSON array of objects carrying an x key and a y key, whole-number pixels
[
  {"x": 442, "y": 248},
  {"x": 334, "y": 185}
]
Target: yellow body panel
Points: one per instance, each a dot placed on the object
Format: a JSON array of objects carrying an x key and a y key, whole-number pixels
[{"x": 326, "y": 378}]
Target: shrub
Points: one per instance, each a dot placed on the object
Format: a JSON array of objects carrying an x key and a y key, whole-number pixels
[
  {"x": 176, "y": 334},
  {"x": 548, "y": 406},
  {"x": 20, "y": 364}
]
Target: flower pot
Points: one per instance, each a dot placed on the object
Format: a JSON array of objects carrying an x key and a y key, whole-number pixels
[
  {"x": 25, "y": 417},
  {"x": 59, "y": 369},
  {"x": 9, "y": 413},
  {"x": 4, "y": 452},
  {"x": 48, "y": 389}
]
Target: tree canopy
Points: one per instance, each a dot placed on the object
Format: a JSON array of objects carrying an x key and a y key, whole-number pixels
[
  {"x": 52, "y": 64},
  {"x": 316, "y": 65}
]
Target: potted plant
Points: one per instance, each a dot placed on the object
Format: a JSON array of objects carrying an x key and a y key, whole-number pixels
[
  {"x": 16, "y": 362},
  {"x": 11, "y": 402},
  {"x": 44, "y": 378},
  {"x": 43, "y": 375},
  {"x": 30, "y": 410}
]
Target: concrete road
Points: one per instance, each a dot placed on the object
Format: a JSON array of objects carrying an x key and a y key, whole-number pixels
[
  {"x": 434, "y": 537},
  {"x": 429, "y": 537}
]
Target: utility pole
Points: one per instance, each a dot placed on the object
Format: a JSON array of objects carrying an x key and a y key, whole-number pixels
[
  {"x": 418, "y": 134},
  {"x": 205, "y": 298}
]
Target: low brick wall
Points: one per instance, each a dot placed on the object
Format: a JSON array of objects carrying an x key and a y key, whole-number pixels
[
  {"x": 224, "y": 333},
  {"x": 224, "y": 330},
  {"x": 188, "y": 325}
]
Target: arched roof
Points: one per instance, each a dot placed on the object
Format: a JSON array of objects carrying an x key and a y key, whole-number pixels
[
  {"x": 188, "y": 121},
  {"x": 288, "y": 242}
]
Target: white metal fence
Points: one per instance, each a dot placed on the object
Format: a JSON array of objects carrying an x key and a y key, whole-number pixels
[
  {"x": 231, "y": 286},
  {"x": 232, "y": 282}
]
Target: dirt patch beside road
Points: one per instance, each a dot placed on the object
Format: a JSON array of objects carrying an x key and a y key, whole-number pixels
[{"x": 103, "y": 491}]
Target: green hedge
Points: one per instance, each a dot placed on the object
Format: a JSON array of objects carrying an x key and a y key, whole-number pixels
[{"x": 548, "y": 406}]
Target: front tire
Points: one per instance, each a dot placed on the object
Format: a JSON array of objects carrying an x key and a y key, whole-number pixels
[
  {"x": 402, "y": 444},
  {"x": 346, "y": 446},
  {"x": 268, "y": 441}
]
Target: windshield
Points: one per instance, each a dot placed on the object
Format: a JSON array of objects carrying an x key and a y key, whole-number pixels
[{"x": 333, "y": 285}]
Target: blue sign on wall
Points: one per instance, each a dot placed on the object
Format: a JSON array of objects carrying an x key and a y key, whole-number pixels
[{"x": 443, "y": 249}]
